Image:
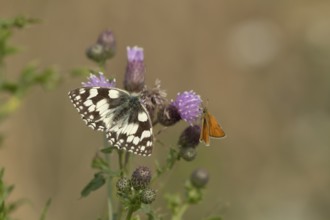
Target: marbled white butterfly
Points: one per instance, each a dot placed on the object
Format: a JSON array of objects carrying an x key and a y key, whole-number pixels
[{"x": 121, "y": 115}]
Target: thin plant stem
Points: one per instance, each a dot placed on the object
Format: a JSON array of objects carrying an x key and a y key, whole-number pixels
[
  {"x": 179, "y": 214},
  {"x": 127, "y": 163},
  {"x": 121, "y": 168},
  {"x": 102, "y": 66},
  {"x": 109, "y": 183},
  {"x": 130, "y": 213}
]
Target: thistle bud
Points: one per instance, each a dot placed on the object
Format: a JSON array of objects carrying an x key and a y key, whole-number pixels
[
  {"x": 148, "y": 196},
  {"x": 134, "y": 77},
  {"x": 190, "y": 137},
  {"x": 123, "y": 184},
  {"x": 96, "y": 53},
  {"x": 199, "y": 178},
  {"x": 107, "y": 40},
  {"x": 103, "y": 49},
  {"x": 141, "y": 178},
  {"x": 188, "y": 153}
]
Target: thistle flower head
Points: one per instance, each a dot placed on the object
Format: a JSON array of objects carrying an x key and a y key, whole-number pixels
[
  {"x": 168, "y": 115},
  {"x": 189, "y": 106},
  {"x": 141, "y": 178},
  {"x": 99, "y": 81},
  {"x": 134, "y": 76},
  {"x": 153, "y": 98}
]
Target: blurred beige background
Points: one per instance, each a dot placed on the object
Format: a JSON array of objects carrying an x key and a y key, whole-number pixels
[{"x": 263, "y": 65}]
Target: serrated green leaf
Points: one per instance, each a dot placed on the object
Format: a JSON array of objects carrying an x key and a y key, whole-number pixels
[{"x": 97, "y": 182}]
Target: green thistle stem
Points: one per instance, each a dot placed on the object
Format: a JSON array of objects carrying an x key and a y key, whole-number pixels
[
  {"x": 109, "y": 182},
  {"x": 129, "y": 214},
  {"x": 127, "y": 163},
  {"x": 179, "y": 214}
]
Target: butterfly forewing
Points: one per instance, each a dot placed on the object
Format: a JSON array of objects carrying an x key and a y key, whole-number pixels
[
  {"x": 121, "y": 115},
  {"x": 215, "y": 129}
]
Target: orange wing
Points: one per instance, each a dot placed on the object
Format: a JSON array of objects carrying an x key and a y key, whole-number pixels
[
  {"x": 215, "y": 129},
  {"x": 205, "y": 132}
]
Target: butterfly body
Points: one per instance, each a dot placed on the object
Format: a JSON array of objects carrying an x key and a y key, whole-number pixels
[
  {"x": 119, "y": 114},
  {"x": 210, "y": 128}
]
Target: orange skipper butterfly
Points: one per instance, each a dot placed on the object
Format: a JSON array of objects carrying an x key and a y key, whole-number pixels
[{"x": 210, "y": 128}]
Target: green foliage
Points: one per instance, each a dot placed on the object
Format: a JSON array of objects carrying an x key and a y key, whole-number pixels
[
  {"x": 172, "y": 157},
  {"x": 7, "y": 26},
  {"x": 6, "y": 208},
  {"x": 12, "y": 93},
  {"x": 179, "y": 206},
  {"x": 97, "y": 182},
  {"x": 45, "y": 210}
]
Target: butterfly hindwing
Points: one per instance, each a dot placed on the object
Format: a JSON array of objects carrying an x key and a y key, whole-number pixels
[
  {"x": 133, "y": 133},
  {"x": 121, "y": 115},
  {"x": 204, "y": 136}
]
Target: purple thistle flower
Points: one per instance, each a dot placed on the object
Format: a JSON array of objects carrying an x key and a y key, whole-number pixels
[
  {"x": 99, "y": 81},
  {"x": 134, "y": 77},
  {"x": 189, "y": 106},
  {"x": 135, "y": 54}
]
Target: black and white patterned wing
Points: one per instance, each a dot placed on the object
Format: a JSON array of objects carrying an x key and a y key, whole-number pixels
[
  {"x": 96, "y": 105},
  {"x": 133, "y": 132},
  {"x": 124, "y": 119}
]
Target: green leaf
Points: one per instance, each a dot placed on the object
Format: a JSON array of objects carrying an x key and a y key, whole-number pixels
[
  {"x": 17, "y": 22},
  {"x": 45, "y": 210},
  {"x": 193, "y": 194},
  {"x": 173, "y": 202},
  {"x": 107, "y": 150},
  {"x": 97, "y": 182},
  {"x": 100, "y": 163},
  {"x": 80, "y": 72},
  {"x": 214, "y": 218}
]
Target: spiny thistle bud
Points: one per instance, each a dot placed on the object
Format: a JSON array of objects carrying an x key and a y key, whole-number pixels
[
  {"x": 107, "y": 40},
  {"x": 123, "y": 184},
  {"x": 199, "y": 178},
  {"x": 190, "y": 136},
  {"x": 141, "y": 178},
  {"x": 134, "y": 76},
  {"x": 168, "y": 115},
  {"x": 188, "y": 153},
  {"x": 189, "y": 106},
  {"x": 148, "y": 196}
]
